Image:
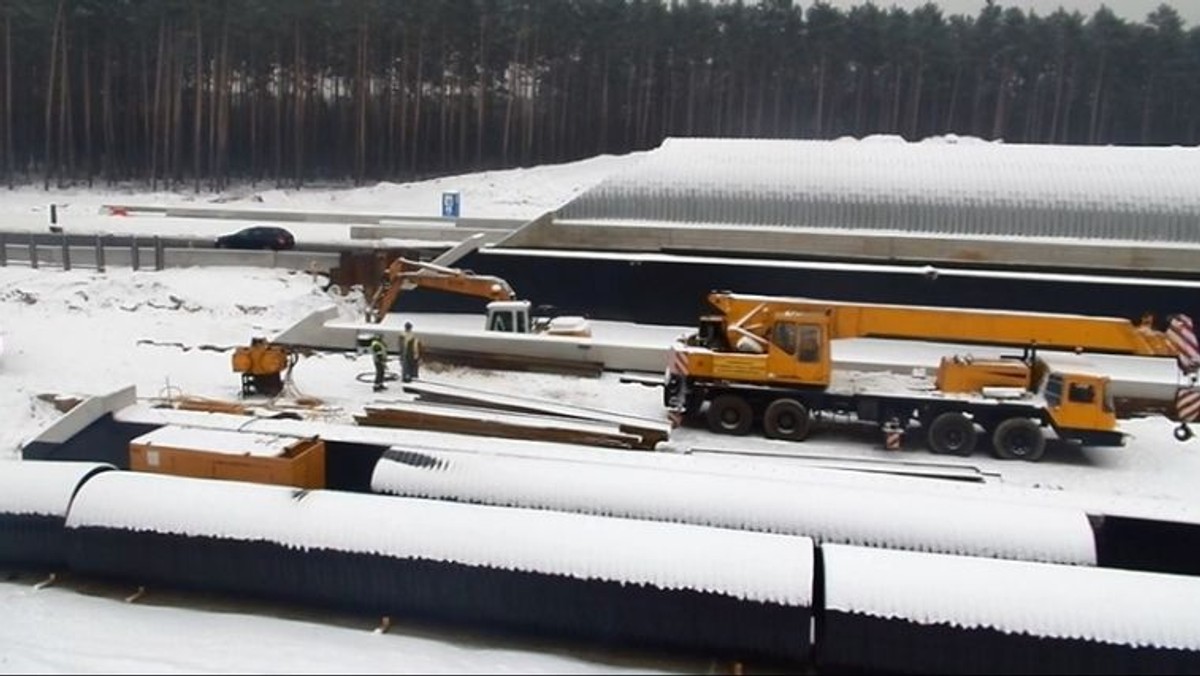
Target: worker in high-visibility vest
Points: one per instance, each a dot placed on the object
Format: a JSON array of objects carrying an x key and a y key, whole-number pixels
[
  {"x": 379, "y": 356},
  {"x": 410, "y": 354}
]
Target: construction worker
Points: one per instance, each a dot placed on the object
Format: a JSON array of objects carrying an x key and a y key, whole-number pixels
[
  {"x": 410, "y": 354},
  {"x": 379, "y": 356}
]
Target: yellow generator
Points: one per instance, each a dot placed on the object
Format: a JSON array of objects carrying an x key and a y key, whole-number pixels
[{"x": 262, "y": 364}]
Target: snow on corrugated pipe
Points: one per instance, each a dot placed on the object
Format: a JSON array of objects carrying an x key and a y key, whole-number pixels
[
  {"x": 1017, "y": 597},
  {"x": 757, "y": 567},
  {"x": 43, "y": 487},
  {"x": 868, "y": 516}
]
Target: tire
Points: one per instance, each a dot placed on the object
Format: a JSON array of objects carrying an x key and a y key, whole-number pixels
[
  {"x": 786, "y": 419},
  {"x": 1019, "y": 439},
  {"x": 730, "y": 414},
  {"x": 952, "y": 433}
]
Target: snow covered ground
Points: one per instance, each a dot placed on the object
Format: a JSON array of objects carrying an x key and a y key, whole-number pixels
[{"x": 82, "y": 332}]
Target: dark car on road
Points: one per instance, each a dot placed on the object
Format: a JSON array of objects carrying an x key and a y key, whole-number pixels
[{"x": 257, "y": 237}]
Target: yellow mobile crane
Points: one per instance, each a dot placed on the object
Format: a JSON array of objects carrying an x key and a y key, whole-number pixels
[{"x": 767, "y": 358}]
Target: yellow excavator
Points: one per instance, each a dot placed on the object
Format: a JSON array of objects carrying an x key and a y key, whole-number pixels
[
  {"x": 263, "y": 363},
  {"x": 505, "y": 312},
  {"x": 767, "y": 359}
]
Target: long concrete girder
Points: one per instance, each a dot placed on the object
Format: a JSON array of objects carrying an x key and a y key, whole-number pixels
[{"x": 860, "y": 246}]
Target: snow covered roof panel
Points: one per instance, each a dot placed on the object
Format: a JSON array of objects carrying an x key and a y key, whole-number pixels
[
  {"x": 752, "y": 566},
  {"x": 944, "y": 185},
  {"x": 865, "y": 515},
  {"x": 1040, "y": 599},
  {"x": 42, "y": 487},
  {"x": 216, "y": 441}
]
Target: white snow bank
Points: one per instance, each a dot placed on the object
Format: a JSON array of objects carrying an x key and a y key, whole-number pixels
[
  {"x": 1047, "y": 600},
  {"x": 824, "y": 512},
  {"x": 43, "y": 488},
  {"x": 751, "y": 566}
]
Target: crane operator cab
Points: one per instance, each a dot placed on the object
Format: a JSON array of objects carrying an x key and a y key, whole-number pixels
[{"x": 515, "y": 316}]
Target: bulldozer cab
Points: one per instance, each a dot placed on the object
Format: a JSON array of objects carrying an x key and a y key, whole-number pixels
[
  {"x": 798, "y": 348},
  {"x": 1078, "y": 399}
]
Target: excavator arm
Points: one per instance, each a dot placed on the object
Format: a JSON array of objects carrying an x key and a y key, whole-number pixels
[
  {"x": 404, "y": 275},
  {"x": 746, "y": 316}
]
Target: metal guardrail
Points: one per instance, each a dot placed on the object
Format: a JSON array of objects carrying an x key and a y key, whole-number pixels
[{"x": 98, "y": 252}]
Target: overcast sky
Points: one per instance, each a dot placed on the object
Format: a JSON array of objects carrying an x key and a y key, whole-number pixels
[{"x": 1133, "y": 10}]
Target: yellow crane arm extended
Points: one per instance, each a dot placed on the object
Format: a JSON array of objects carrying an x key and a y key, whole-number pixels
[
  {"x": 743, "y": 313},
  {"x": 404, "y": 275}
]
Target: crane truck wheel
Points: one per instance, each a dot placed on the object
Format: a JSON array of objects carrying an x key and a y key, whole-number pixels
[
  {"x": 730, "y": 414},
  {"x": 1019, "y": 439},
  {"x": 952, "y": 433},
  {"x": 786, "y": 419}
]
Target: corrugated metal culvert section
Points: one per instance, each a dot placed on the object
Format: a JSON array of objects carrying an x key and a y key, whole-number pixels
[
  {"x": 862, "y": 515},
  {"x": 946, "y": 185},
  {"x": 34, "y": 499},
  {"x": 611, "y": 581},
  {"x": 933, "y": 613}
]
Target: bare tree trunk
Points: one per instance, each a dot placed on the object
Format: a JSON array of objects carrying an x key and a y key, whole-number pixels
[
  {"x": 513, "y": 94},
  {"x": 360, "y": 116},
  {"x": 223, "y": 108},
  {"x": 418, "y": 95},
  {"x": 914, "y": 107},
  {"x": 1093, "y": 124},
  {"x": 277, "y": 128},
  {"x": 819, "y": 113},
  {"x": 8, "y": 99},
  {"x": 1147, "y": 100},
  {"x": 894, "y": 127},
  {"x": 1055, "y": 115},
  {"x": 604, "y": 121},
  {"x": 999, "y": 119},
  {"x": 87, "y": 106},
  {"x": 158, "y": 77},
  {"x": 198, "y": 102},
  {"x": 66, "y": 130},
  {"x": 297, "y": 107},
  {"x": 177, "y": 120},
  {"x": 690, "y": 124},
  {"x": 110, "y": 134},
  {"x": 54, "y": 30},
  {"x": 481, "y": 102}
]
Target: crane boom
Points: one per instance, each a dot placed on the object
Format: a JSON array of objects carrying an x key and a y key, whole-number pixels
[{"x": 1115, "y": 335}]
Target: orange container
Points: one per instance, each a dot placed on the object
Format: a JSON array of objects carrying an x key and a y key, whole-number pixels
[{"x": 230, "y": 455}]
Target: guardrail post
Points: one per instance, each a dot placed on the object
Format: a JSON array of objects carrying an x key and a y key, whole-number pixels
[
  {"x": 33, "y": 261},
  {"x": 3, "y": 250},
  {"x": 99, "y": 253},
  {"x": 66, "y": 253},
  {"x": 134, "y": 253},
  {"x": 158, "y": 253}
]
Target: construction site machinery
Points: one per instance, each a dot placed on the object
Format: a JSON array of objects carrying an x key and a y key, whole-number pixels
[
  {"x": 766, "y": 359},
  {"x": 505, "y": 312},
  {"x": 262, "y": 364}
]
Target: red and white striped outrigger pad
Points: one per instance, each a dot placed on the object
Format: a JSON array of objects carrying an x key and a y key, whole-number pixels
[
  {"x": 678, "y": 361},
  {"x": 1187, "y": 404},
  {"x": 1183, "y": 336}
]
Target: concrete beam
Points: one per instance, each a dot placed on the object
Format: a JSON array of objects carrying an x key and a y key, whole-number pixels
[{"x": 860, "y": 245}]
